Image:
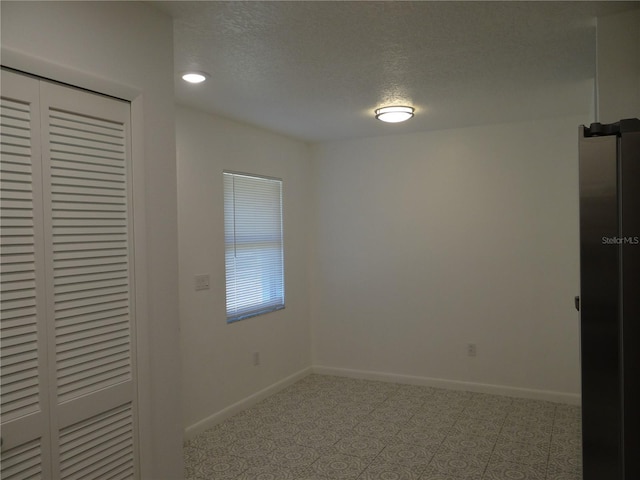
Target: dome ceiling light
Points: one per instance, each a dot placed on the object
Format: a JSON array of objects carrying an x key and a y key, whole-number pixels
[{"x": 394, "y": 114}]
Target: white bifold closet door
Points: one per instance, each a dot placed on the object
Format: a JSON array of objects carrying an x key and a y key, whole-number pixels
[{"x": 67, "y": 361}]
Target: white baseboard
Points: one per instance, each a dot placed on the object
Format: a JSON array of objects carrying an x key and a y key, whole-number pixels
[
  {"x": 551, "y": 396},
  {"x": 212, "y": 420}
]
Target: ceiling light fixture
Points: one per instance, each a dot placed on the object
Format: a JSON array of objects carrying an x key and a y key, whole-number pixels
[
  {"x": 194, "y": 77},
  {"x": 394, "y": 114}
]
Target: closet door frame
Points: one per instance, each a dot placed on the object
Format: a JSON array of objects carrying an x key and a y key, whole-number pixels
[{"x": 39, "y": 67}]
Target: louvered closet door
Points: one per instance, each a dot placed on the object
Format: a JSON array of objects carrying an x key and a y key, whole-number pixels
[
  {"x": 87, "y": 233},
  {"x": 24, "y": 409},
  {"x": 67, "y": 374}
]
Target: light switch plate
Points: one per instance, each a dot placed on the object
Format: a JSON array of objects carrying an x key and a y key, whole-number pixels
[{"x": 202, "y": 282}]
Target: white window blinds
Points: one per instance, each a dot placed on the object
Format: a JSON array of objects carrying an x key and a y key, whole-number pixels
[{"x": 253, "y": 245}]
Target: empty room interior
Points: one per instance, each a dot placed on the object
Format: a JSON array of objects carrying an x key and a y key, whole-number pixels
[{"x": 424, "y": 326}]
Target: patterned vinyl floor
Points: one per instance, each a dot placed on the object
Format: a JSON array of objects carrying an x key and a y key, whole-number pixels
[{"x": 326, "y": 427}]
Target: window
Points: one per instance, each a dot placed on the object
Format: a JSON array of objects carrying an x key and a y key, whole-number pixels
[{"x": 253, "y": 245}]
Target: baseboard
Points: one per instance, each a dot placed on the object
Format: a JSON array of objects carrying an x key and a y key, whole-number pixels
[
  {"x": 212, "y": 420},
  {"x": 551, "y": 396}
]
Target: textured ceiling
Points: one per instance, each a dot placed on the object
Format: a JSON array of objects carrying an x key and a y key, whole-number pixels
[{"x": 317, "y": 70}]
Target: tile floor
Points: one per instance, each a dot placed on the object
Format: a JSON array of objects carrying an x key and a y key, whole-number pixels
[{"x": 326, "y": 427}]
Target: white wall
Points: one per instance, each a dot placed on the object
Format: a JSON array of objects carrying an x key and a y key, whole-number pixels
[
  {"x": 126, "y": 49},
  {"x": 618, "y": 48},
  {"x": 217, "y": 357},
  {"x": 426, "y": 242}
]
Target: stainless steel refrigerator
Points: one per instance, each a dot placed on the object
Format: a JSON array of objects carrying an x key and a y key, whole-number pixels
[{"x": 609, "y": 301}]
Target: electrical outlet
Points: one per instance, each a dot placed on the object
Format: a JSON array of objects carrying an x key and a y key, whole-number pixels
[
  {"x": 471, "y": 349},
  {"x": 202, "y": 282},
  {"x": 256, "y": 358}
]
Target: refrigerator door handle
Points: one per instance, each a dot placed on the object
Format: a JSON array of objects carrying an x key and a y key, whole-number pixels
[{"x": 576, "y": 302}]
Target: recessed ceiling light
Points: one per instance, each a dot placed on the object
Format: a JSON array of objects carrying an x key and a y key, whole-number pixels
[
  {"x": 194, "y": 77},
  {"x": 394, "y": 114}
]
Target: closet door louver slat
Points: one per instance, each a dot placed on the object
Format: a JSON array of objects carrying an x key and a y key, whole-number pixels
[
  {"x": 17, "y": 249},
  {"x": 22, "y": 463},
  {"x": 98, "y": 448},
  {"x": 91, "y": 238}
]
